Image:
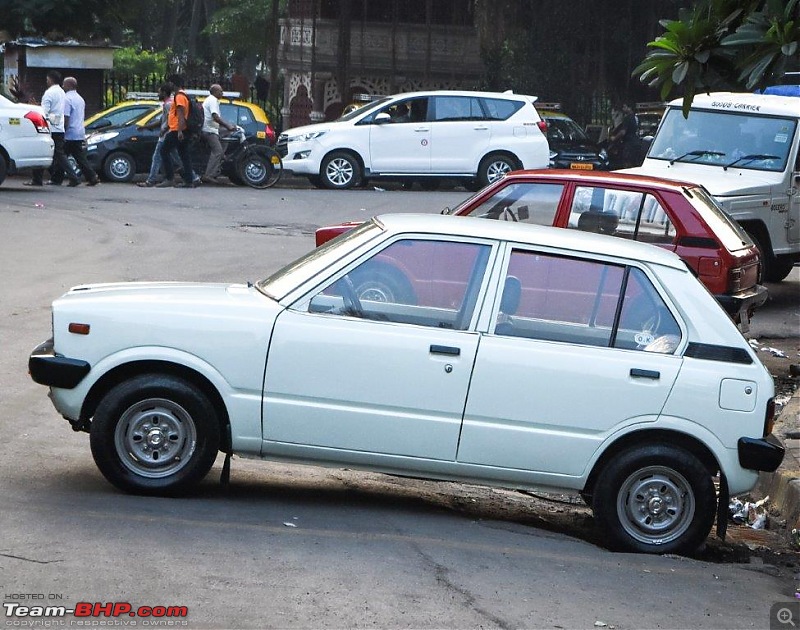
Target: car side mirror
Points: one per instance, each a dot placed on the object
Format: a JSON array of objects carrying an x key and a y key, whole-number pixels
[
  {"x": 382, "y": 118},
  {"x": 446, "y": 210}
]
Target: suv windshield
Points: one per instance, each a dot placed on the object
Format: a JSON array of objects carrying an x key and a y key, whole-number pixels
[
  {"x": 743, "y": 141},
  {"x": 564, "y": 129},
  {"x": 364, "y": 109}
]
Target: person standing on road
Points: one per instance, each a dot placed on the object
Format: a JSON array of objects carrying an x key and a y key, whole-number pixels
[
  {"x": 177, "y": 137},
  {"x": 74, "y": 132},
  {"x": 53, "y": 106},
  {"x": 165, "y": 96},
  {"x": 625, "y": 137},
  {"x": 212, "y": 121}
]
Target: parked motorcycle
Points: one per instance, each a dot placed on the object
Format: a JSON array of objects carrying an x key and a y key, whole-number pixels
[{"x": 254, "y": 165}]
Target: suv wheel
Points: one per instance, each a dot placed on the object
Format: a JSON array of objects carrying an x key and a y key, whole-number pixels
[
  {"x": 340, "y": 170},
  {"x": 494, "y": 166}
]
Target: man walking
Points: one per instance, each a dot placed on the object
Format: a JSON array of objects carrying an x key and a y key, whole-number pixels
[
  {"x": 165, "y": 96},
  {"x": 74, "y": 132},
  {"x": 53, "y": 106},
  {"x": 177, "y": 136},
  {"x": 211, "y": 124}
]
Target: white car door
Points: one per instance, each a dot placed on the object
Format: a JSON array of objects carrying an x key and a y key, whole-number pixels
[
  {"x": 401, "y": 144},
  {"x": 460, "y": 134},
  {"x": 355, "y": 368},
  {"x": 556, "y": 377}
]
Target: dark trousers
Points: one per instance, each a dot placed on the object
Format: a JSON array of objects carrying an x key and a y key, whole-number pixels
[
  {"x": 60, "y": 165},
  {"x": 171, "y": 142},
  {"x": 77, "y": 149}
]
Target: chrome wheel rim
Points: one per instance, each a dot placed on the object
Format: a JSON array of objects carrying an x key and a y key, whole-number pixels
[
  {"x": 120, "y": 168},
  {"x": 497, "y": 169},
  {"x": 339, "y": 171},
  {"x": 655, "y": 505},
  {"x": 155, "y": 438},
  {"x": 255, "y": 171},
  {"x": 375, "y": 292}
]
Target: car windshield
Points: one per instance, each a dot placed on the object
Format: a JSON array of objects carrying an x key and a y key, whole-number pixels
[
  {"x": 731, "y": 234},
  {"x": 564, "y": 129},
  {"x": 283, "y": 281},
  {"x": 365, "y": 109},
  {"x": 743, "y": 141}
]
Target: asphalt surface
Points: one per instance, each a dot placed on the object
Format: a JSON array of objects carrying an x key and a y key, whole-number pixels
[{"x": 287, "y": 546}]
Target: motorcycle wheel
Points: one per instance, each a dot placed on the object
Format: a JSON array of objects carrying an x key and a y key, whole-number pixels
[{"x": 258, "y": 171}]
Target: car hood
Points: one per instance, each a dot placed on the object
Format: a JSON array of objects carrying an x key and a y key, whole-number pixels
[
  {"x": 573, "y": 147},
  {"x": 720, "y": 183}
]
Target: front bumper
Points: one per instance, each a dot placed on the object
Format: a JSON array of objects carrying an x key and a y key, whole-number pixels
[
  {"x": 48, "y": 368},
  {"x": 741, "y": 305},
  {"x": 759, "y": 454}
]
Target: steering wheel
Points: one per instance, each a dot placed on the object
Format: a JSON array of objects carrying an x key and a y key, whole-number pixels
[{"x": 350, "y": 297}]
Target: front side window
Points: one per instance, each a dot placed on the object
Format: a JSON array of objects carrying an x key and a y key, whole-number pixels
[
  {"x": 625, "y": 213},
  {"x": 412, "y": 281},
  {"x": 523, "y": 202},
  {"x": 571, "y": 300}
]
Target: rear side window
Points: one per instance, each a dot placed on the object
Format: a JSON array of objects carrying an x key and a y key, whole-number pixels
[
  {"x": 625, "y": 213},
  {"x": 501, "y": 108},
  {"x": 571, "y": 300},
  {"x": 731, "y": 234},
  {"x": 235, "y": 114},
  {"x": 457, "y": 108},
  {"x": 524, "y": 202}
]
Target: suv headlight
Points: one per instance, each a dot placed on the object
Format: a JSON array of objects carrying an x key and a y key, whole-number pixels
[
  {"x": 553, "y": 154},
  {"x": 97, "y": 138},
  {"x": 603, "y": 155},
  {"x": 311, "y": 135}
]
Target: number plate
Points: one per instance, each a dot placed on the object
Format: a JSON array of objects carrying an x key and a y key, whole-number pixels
[
  {"x": 275, "y": 159},
  {"x": 581, "y": 166}
]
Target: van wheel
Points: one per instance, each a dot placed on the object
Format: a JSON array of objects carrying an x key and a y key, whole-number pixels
[
  {"x": 119, "y": 167},
  {"x": 340, "y": 170},
  {"x": 155, "y": 434},
  {"x": 655, "y": 499},
  {"x": 494, "y": 166},
  {"x": 779, "y": 268}
]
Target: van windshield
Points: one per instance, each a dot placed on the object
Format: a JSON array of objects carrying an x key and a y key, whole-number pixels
[{"x": 730, "y": 140}]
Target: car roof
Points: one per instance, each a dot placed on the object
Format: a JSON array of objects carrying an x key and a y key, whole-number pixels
[
  {"x": 602, "y": 177},
  {"x": 505, "y": 95},
  {"x": 527, "y": 233},
  {"x": 744, "y": 102}
]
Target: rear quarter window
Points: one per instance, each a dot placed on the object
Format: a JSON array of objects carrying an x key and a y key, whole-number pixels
[{"x": 501, "y": 108}]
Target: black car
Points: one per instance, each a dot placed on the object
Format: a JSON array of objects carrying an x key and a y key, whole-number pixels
[
  {"x": 118, "y": 153},
  {"x": 570, "y": 147}
]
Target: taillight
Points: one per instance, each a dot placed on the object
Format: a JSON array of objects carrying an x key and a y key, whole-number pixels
[
  {"x": 38, "y": 121},
  {"x": 542, "y": 124},
  {"x": 270, "y": 133},
  {"x": 769, "y": 420},
  {"x": 735, "y": 279}
]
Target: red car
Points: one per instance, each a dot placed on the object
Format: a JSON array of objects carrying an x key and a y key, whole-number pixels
[{"x": 678, "y": 216}]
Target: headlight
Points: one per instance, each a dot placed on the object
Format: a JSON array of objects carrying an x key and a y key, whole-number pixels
[
  {"x": 603, "y": 155},
  {"x": 97, "y": 138},
  {"x": 553, "y": 154},
  {"x": 311, "y": 135}
]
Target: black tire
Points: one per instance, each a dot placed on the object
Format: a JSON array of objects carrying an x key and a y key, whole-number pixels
[
  {"x": 382, "y": 285},
  {"x": 3, "y": 168},
  {"x": 119, "y": 167},
  {"x": 258, "y": 171},
  {"x": 155, "y": 434},
  {"x": 340, "y": 171},
  {"x": 74, "y": 164},
  {"x": 779, "y": 268},
  {"x": 494, "y": 166},
  {"x": 655, "y": 499}
]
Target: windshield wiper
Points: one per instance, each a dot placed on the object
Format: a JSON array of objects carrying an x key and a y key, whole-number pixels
[
  {"x": 698, "y": 154},
  {"x": 751, "y": 158}
]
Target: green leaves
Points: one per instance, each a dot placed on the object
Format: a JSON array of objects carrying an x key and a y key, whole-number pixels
[{"x": 723, "y": 44}]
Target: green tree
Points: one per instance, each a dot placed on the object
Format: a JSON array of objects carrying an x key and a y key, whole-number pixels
[{"x": 723, "y": 45}]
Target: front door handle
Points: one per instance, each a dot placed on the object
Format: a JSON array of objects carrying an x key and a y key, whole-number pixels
[
  {"x": 422, "y": 129},
  {"x": 447, "y": 350},
  {"x": 639, "y": 373}
]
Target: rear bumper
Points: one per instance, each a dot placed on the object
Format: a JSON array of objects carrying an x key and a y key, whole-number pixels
[
  {"x": 741, "y": 305},
  {"x": 48, "y": 368},
  {"x": 759, "y": 454}
]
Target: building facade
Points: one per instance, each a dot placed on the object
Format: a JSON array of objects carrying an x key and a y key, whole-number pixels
[{"x": 336, "y": 52}]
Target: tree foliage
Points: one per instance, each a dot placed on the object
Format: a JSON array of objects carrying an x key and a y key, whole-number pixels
[
  {"x": 134, "y": 61},
  {"x": 723, "y": 44}
]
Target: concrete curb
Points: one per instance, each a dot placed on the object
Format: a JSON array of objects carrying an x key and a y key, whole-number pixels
[{"x": 783, "y": 486}]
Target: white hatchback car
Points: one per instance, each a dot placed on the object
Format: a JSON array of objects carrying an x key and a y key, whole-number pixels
[
  {"x": 475, "y": 136},
  {"x": 25, "y": 140},
  {"x": 520, "y": 356}
]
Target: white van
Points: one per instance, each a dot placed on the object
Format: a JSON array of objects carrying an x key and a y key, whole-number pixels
[
  {"x": 475, "y": 136},
  {"x": 744, "y": 149}
]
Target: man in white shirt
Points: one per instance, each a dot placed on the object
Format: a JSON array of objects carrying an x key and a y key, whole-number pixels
[
  {"x": 53, "y": 106},
  {"x": 211, "y": 124}
]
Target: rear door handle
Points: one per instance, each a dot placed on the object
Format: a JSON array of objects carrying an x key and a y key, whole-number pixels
[
  {"x": 480, "y": 128},
  {"x": 422, "y": 129},
  {"x": 448, "y": 350},
  {"x": 639, "y": 373}
]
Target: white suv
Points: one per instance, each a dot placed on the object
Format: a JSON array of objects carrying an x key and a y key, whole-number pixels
[
  {"x": 25, "y": 140},
  {"x": 476, "y": 136}
]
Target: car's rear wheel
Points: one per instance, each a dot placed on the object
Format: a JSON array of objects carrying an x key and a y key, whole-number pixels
[
  {"x": 495, "y": 166},
  {"x": 382, "y": 284},
  {"x": 340, "y": 170},
  {"x": 119, "y": 167},
  {"x": 655, "y": 499},
  {"x": 154, "y": 434}
]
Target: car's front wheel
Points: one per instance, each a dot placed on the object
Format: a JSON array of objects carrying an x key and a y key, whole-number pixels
[
  {"x": 155, "y": 434},
  {"x": 495, "y": 166},
  {"x": 655, "y": 499},
  {"x": 340, "y": 170},
  {"x": 119, "y": 167}
]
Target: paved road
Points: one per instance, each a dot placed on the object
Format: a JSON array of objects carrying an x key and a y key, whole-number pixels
[{"x": 286, "y": 546}]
